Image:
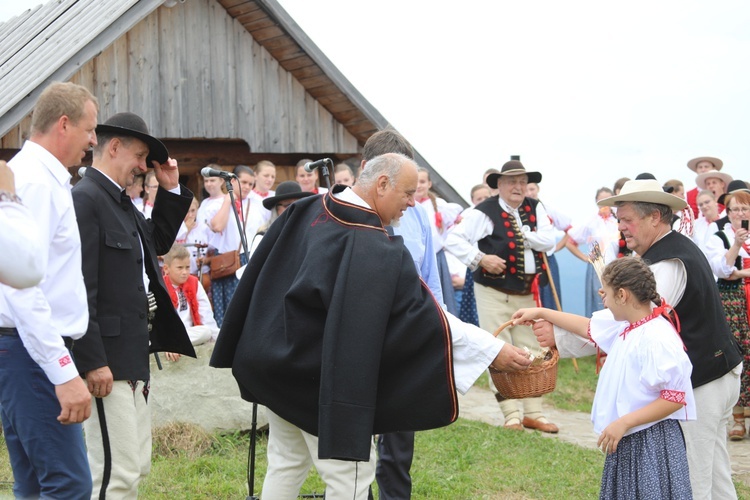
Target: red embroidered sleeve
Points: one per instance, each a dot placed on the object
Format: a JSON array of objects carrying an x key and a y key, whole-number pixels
[{"x": 673, "y": 396}]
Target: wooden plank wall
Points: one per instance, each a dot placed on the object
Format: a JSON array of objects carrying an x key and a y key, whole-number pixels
[{"x": 192, "y": 71}]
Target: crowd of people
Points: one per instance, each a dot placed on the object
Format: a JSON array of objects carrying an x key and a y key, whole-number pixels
[{"x": 357, "y": 313}]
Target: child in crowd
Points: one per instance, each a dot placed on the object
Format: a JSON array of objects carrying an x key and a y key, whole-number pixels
[
  {"x": 189, "y": 297},
  {"x": 643, "y": 389},
  {"x": 343, "y": 174}
]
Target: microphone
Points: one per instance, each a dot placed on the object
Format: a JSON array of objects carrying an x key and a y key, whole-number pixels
[
  {"x": 212, "y": 172},
  {"x": 312, "y": 165},
  {"x": 81, "y": 172}
]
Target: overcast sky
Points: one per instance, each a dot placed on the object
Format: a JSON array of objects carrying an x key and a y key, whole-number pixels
[{"x": 585, "y": 91}]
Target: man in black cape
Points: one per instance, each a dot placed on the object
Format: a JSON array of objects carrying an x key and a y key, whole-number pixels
[{"x": 332, "y": 329}]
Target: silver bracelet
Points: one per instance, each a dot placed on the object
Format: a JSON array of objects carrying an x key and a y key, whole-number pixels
[{"x": 8, "y": 196}]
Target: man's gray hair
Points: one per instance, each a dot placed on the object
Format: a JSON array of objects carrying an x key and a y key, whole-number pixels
[
  {"x": 644, "y": 209},
  {"x": 388, "y": 164}
]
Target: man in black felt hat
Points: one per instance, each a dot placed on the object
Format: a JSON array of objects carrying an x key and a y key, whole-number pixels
[
  {"x": 124, "y": 283},
  {"x": 511, "y": 232}
]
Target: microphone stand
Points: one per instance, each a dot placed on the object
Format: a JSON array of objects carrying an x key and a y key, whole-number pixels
[
  {"x": 324, "y": 172},
  {"x": 254, "y": 421}
]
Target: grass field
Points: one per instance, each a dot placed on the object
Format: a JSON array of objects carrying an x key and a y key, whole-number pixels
[{"x": 467, "y": 460}]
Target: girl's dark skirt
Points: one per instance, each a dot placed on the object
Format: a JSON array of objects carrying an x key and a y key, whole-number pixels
[{"x": 651, "y": 463}]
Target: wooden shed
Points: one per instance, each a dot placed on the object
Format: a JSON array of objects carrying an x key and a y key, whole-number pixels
[{"x": 219, "y": 81}]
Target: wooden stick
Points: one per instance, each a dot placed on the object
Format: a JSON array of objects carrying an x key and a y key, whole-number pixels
[{"x": 557, "y": 299}]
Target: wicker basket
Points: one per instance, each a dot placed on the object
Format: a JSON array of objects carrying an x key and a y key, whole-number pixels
[{"x": 533, "y": 382}]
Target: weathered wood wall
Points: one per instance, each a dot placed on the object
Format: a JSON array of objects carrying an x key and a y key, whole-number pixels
[{"x": 194, "y": 72}]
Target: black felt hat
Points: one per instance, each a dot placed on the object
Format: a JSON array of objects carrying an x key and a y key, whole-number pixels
[
  {"x": 287, "y": 190},
  {"x": 132, "y": 125},
  {"x": 734, "y": 187},
  {"x": 513, "y": 167}
]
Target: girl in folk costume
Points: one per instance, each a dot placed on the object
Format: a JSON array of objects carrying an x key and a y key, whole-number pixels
[
  {"x": 189, "y": 298},
  {"x": 705, "y": 225},
  {"x": 442, "y": 216},
  {"x": 223, "y": 236},
  {"x": 728, "y": 252},
  {"x": 643, "y": 389},
  {"x": 265, "y": 178},
  {"x": 193, "y": 236},
  {"x": 601, "y": 229},
  {"x": 308, "y": 181}
]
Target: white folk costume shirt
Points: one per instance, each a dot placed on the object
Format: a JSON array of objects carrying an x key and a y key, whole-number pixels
[
  {"x": 715, "y": 252},
  {"x": 20, "y": 239},
  {"x": 644, "y": 364},
  {"x": 257, "y": 200},
  {"x": 702, "y": 231},
  {"x": 560, "y": 221},
  {"x": 199, "y": 234},
  {"x": 223, "y": 241},
  {"x": 57, "y": 307},
  {"x": 204, "y": 309},
  {"x": 671, "y": 281},
  {"x": 473, "y": 348},
  {"x": 255, "y": 214},
  {"x": 448, "y": 214},
  {"x": 598, "y": 229},
  {"x": 475, "y": 226}
]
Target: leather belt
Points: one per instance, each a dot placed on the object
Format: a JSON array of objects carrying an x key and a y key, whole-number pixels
[{"x": 13, "y": 332}]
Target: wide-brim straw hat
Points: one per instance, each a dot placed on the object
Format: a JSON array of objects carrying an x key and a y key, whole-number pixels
[
  {"x": 287, "y": 190},
  {"x": 646, "y": 191},
  {"x": 693, "y": 164},
  {"x": 132, "y": 125},
  {"x": 700, "y": 181},
  {"x": 513, "y": 167},
  {"x": 734, "y": 187}
]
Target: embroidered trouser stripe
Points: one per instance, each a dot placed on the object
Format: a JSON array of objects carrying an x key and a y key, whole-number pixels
[{"x": 105, "y": 447}]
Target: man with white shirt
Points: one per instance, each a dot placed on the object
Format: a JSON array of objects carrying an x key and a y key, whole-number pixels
[
  {"x": 685, "y": 281},
  {"x": 511, "y": 231},
  {"x": 130, "y": 310},
  {"x": 39, "y": 384}
]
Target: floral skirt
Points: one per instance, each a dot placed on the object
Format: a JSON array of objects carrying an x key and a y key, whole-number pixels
[
  {"x": 651, "y": 463},
  {"x": 735, "y": 307}
]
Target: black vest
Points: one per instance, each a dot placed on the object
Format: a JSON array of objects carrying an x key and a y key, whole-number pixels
[
  {"x": 506, "y": 241},
  {"x": 711, "y": 347},
  {"x": 723, "y": 284}
]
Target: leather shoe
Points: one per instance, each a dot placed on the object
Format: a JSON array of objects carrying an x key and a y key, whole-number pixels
[
  {"x": 540, "y": 424},
  {"x": 513, "y": 424}
]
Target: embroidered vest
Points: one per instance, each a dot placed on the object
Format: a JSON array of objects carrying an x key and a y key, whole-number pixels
[
  {"x": 711, "y": 347},
  {"x": 190, "y": 289},
  {"x": 506, "y": 241}
]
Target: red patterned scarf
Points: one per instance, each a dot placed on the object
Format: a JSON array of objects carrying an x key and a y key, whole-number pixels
[{"x": 190, "y": 290}]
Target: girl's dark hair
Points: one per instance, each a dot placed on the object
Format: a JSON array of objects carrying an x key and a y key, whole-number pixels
[{"x": 632, "y": 274}]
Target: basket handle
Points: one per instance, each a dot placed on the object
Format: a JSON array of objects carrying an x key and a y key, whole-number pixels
[{"x": 503, "y": 327}]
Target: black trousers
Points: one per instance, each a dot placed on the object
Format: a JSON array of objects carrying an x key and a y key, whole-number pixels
[{"x": 395, "y": 454}]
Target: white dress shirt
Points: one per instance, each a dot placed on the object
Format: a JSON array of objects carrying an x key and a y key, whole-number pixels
[
  {"x": 58, "y": 306},
  {"x": 22, "y": 245}
]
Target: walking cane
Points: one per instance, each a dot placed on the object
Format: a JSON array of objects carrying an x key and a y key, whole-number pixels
[{"x": 554, "y": 294}]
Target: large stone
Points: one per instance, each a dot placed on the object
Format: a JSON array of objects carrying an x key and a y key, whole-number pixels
[{"x": 191, "y": 391}]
